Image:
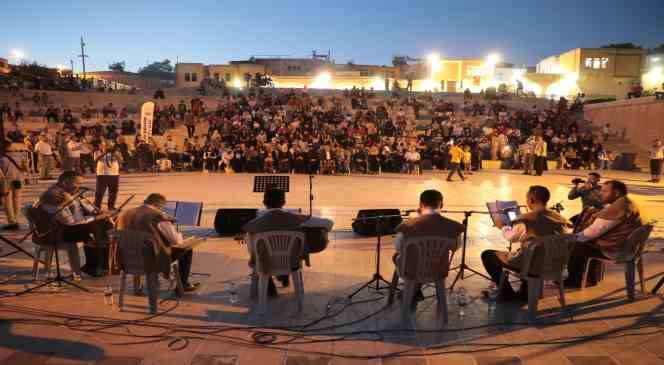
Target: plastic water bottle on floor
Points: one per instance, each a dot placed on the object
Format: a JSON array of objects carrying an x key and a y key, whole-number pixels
[
  {"x": 232, "y": 293},
  {"x": 492, "y": 297},
  {"x": 462, "y": 301},
  {"x": 108, "y": 295}
]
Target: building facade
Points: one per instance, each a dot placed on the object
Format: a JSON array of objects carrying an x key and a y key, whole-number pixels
[{"x": 597, "y": 72}]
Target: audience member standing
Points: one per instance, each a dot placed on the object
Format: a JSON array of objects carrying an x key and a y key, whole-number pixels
[
  {"x": 656, "y": 157},
  {"x": 44, "y": 152},
  {"x": 456, "y": 154},
  {"x": 12, "y": 180},
  {"x": 108, "y": 174}
]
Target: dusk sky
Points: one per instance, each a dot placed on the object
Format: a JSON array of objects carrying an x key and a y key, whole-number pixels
[{"x": 138, "y": 31}]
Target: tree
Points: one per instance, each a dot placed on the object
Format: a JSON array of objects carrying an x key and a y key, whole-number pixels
[
  {"x": 118, "y": 66},
  {"x": 399, "y": 61},
  {"x": 628, "y": 45},
  {"x": 163, "y": 68}
]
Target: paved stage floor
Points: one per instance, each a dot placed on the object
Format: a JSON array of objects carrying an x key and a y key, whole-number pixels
[{"x": 203, "y": 328}]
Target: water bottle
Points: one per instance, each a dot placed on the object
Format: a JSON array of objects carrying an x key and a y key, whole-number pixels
[
  {"x": 492, "y": 297},
  {"x": 108, "y": 295},
  {"x": 232, "y": 293},
  {"x": 462, "y": 301}
]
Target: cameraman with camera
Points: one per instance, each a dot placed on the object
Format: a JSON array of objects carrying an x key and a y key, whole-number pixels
[
  {"x": 588, "y": 191},
  {"x": 108, "y": 161},
  {"x": 11, "y": 181}
]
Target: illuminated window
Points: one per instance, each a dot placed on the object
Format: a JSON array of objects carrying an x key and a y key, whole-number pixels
[{"x": 596, "y": 63}]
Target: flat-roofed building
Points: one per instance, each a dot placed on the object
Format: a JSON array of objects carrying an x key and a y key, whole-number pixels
[{"x": 599, "y": 72}]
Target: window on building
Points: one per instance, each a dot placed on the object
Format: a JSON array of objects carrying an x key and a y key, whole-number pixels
[
  {"x": 596, "y": 63},
  {"x": 187, "y": 77},
  {"x": 227, "y": 77},
  {"x": 194, "y": 77},
  {"x": 216, "y": 76}
]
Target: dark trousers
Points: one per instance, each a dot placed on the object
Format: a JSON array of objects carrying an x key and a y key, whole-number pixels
[
  {"x": 539, "y": 164},
  {"x": 191, "y": 129},
  {"x": 455, "y": 167},
  {"x": 581, "y": 253},
  {"x": 110, "y": 182},
  {"x": 95, "y": 237},
  {"x": 494, "y": 266},
  {"x": 184, "y": 258}
]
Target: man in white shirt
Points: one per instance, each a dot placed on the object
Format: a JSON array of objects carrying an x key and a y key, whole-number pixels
[
  {"x": 74, "y": 154},
  {"x": 539, "y": 222},
  {"x": 45, "y": 157},
  {"x": 656, "y": 158},
  {"x": 108, "y": 174}
]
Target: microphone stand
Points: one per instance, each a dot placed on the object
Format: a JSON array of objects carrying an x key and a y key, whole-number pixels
[
  {"x": 462, "y": 267},
  {"x": 59, "y": 279},
  {"x": 311, "y": 194},
  {"x": 377, "y": 279}
]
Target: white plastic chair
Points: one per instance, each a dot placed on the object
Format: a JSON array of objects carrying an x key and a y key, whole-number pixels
[
  {"x": 553, "y": 253},
  {"x": 631, "y": 257},
  {"x": 425, "y": 259},
  {"x": 135, "y": 254},
  {"x": 277, "y": 253}
]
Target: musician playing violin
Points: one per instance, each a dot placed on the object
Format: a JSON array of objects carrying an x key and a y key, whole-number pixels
[{"x": 80, "y": 221}]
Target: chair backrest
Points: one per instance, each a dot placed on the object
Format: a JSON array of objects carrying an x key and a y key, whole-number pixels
[
  {"x": 546, "y": 257},
  {"x": 136, "y": 251},
  {"x": 46, "y": 231},
  {"x": 426, "y": 258},
  {"x": 279, "y": 252},
  {"x": 635, "y": 243}
]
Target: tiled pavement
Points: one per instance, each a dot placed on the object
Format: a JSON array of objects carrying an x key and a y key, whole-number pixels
[{"x": 600, "y": 327}]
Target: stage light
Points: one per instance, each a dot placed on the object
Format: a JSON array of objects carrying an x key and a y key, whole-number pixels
[
  {"x": 322, "y": 81},
  {"x": 655, "y": 75},
  {"x": 60, "y": 67},
  {"x": 237, "y": 83},
  {"x": 378, "y": 83},
  {"x": 17, "y": 56},
  {"x": 493, "y": 59}
]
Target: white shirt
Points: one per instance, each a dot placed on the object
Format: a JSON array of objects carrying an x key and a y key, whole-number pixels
[
  {"x": 107, "y": 165},
  {"x": 657, "y": 153},
  {"x": 73, "y": 149},
  {"x": 44, "y": 148}
]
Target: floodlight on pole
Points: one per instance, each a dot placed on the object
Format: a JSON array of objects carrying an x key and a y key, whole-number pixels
[
  {"x": 17, "y": 55},
  {"x": 493, "y": 59}
]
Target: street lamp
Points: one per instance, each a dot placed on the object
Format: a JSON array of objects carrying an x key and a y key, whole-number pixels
[{"x": 17, "y": 55}]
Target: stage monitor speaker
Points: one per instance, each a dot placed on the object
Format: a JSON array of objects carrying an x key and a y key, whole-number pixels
[
  {"x": 365, "y": 225},
  {"x": 230, "y": 221}
]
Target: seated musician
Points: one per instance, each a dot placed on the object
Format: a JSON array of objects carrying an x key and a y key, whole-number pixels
[
  {"x": 275, "y": 218},
  {"x": 539, "y": 222},
  {"x": 150, "y": 218},
  {"x": 428, "y": 223},
  {"x": 81, "y": 221},
  {"x": 602, "y": 233}
]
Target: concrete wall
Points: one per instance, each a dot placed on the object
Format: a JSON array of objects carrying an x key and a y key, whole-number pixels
[
  {"x": 642, "y": 119},
  {"x": 183, "y": 69}
]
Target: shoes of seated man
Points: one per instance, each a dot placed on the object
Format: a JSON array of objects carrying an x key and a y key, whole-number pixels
[
  {"x": 76, "y": 277},
  {"x": 189, "y": 287},
  {"x": 271, "y": 289},
  {"x": 11, "y": 227},
  {"x": 285, "y": 280}
]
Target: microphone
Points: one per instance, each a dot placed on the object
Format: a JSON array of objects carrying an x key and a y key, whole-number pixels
[{"x": 84, "y": 189}]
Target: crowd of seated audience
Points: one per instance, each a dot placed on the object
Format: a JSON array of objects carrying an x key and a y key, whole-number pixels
[{"x": 294, "y": 131}]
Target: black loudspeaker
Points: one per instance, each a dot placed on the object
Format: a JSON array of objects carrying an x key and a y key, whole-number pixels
[
  {"x": 230, "y": 221},
  {"x": 365, "y": 225}
]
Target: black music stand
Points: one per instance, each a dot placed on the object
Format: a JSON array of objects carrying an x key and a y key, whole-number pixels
[
  {"x": 265, "y": 182},
  {"x": 655, "y": 289},
  {"x": 376, "y": 278},
  {"x": 462, "y": 267}
]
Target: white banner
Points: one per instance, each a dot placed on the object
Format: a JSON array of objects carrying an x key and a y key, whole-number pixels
[{"x": 147, "y": 118}]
